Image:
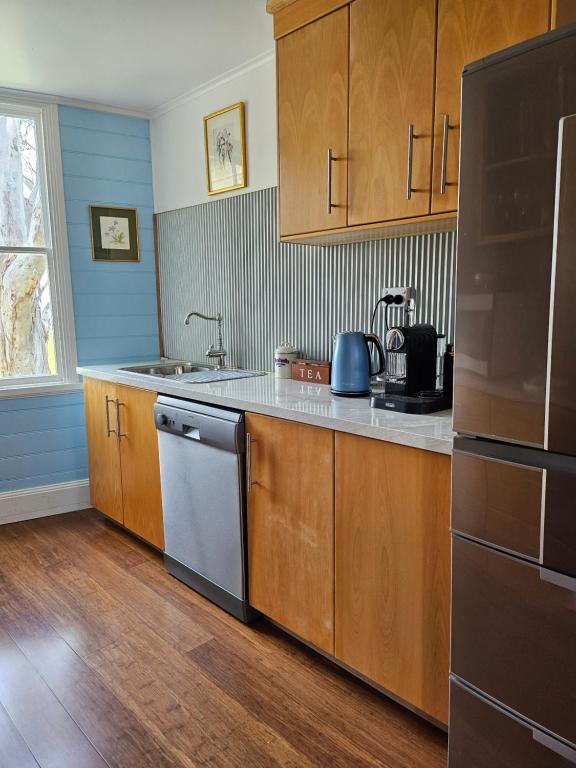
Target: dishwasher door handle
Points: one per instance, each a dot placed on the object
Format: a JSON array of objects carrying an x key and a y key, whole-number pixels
[{"x": 192, "y": 432}]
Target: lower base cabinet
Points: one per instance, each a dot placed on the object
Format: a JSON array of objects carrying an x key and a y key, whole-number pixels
[
  {"x": 291, "y": 526},
  {"x": 393, "y": 568},
  {"x": 123, "y": 460},
  {"x": 349, "y": 548}
]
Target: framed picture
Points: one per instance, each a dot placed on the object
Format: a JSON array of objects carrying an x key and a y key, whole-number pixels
[
  {"x": 225, "y": 147},
  {"x": 114, "y": 233}
]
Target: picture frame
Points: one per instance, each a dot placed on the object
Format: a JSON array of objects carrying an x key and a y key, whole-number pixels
[
  {"x": 225, "y": 149},
  {"x": 114, "y": 233}
]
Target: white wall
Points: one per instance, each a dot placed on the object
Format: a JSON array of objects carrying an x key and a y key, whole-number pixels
[{"x": 177, "y": 135}]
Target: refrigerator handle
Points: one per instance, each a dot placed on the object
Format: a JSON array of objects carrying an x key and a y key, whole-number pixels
[
  {"x": 560, "y": 409},
  {"x": 558, "y": 579},
  {"x": 563, "y": 750}
]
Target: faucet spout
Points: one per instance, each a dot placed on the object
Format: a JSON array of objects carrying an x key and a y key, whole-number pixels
[{"x": 213, "y": 352}]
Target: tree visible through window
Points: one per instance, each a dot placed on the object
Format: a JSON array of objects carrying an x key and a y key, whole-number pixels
[{"x": 28, "y": 349}]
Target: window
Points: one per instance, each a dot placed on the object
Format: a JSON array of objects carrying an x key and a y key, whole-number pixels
[{"x": 37, "y": 345}]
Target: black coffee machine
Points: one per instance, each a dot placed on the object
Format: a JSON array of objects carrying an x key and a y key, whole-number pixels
[{"x": 418, "y": 374}]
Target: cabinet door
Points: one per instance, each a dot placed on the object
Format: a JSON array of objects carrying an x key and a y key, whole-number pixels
[
  {"x": 469, "y": 30},
  {"x": 393, "y": 568},
  {"x": 291, "y": 526},
  {"x": 391, "y": 89},
  {"x": 140, "y": 464},
  {"x": 312, "y": 76},
  {"x": 103, "y": 453}
]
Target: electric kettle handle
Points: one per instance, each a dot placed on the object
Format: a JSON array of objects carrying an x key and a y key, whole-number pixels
[{"x": 374, "y": 339}]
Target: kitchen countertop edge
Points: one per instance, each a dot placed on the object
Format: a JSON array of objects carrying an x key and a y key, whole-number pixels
[{"x": 406, "y": 429}]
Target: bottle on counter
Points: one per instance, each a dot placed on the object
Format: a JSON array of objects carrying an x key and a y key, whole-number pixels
[{"x": 284, "y": 356}]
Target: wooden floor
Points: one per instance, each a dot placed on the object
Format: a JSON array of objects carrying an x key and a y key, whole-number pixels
[{"x": 105, "y": 660}]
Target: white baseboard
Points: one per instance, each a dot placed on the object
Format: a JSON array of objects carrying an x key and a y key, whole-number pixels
[{"x": 30, "y": 503}]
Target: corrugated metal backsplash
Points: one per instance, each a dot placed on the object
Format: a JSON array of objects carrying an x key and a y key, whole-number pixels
[{"x": 224, "y": 256}]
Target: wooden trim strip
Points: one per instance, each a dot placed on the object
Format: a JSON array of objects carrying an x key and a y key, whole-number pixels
[
  {"x": 273, "y": 6},
  {"x": 158, "y": 297},
  {"x": 301, "y": 12},
  {"x": 418, "y": 225}
]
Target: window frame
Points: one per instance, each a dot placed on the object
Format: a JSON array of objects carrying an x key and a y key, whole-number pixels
[{"x": 56, "y": 250}]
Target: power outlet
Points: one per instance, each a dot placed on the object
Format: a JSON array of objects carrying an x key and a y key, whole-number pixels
[{"x": 400, "y": 296}]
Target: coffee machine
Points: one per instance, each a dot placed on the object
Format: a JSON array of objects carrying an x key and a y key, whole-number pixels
[{"x": 418, "y": 371}]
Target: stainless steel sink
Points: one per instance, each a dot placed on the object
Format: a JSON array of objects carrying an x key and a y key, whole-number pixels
[
  {"x": 168, "y": 369},
  {"x": 193, "y": 373}
]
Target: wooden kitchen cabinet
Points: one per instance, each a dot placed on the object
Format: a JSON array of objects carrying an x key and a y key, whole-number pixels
[
  {"x": 312, "y": 72},
  {"x": 391, "y": 88},
  {"x": 103, "y": 453},
  {"x": 140, "y": 465},
  {"x": 392, "y": 568},
  {"x": 404, "y": 61},
  {"x": 467, "y": 31},
  {"x": 291, "y": 526},
  {"x": 123, "y": 463}
]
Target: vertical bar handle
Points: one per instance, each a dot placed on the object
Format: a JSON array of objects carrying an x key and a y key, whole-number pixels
[
  {"x": 330, "y": 158},
  {"x": 248, "y": 462},
  {"x": 445, "y": 129},
  {"x": 118, "y": 427},
  {"x": 107, "y": 401},
  {"x": 411, "y": 138},
  {"x": 563, "y": 750}
]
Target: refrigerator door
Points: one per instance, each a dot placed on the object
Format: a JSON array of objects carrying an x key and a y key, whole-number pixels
[
  {"x": 512, "y": 105},
  {"x": 514, "y": 636},
  {"x": 483, "y": 734},
  {"x": 516, "y": 499},
  {"x": 561, "y": 401}
]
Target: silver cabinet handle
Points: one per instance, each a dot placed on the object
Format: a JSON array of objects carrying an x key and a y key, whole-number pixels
[
  {"x": 248, "y": 462},
  {"x": 411, "y": 138},
  {"x": 555, "y": 746},
  {"x": 445, "y": 129},
  {"x": 249, "y": 441},
  {"x": 330, "y": 204},
  {"x": 107, "y": 401},
  {"x": 119, "y": 432},
  {"x": 558, "y": 579}
]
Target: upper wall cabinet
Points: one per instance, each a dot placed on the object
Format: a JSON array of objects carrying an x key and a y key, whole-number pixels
[
  {"x": 391, "y": 106},
  {"x": 369, "y": 107},
  {"x": 313, "y": 125},
  {"x": 469, "y": 30}
]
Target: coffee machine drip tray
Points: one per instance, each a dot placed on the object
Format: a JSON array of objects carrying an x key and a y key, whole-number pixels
[{"x": 426, "y": 403}]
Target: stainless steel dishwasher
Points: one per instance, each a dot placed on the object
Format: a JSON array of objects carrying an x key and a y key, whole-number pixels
[{"x": 202, "y": 461}]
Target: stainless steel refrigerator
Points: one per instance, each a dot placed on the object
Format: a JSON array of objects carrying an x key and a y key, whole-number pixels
[{"x": 513, "y": 654}]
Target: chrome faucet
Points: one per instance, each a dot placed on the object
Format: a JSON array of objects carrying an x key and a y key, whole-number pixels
[{"x": 212, "y": 352}]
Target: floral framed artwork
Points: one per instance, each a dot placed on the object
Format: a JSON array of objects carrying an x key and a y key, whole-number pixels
[
  {"x": 114, "y": 233},
  {"x": 225, "y": 147}
]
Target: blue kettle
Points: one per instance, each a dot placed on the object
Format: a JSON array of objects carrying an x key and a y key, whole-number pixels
[{"x": 352, "y": 364}]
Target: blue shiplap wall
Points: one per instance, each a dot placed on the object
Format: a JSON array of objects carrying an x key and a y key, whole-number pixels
[{"x": 106, "y": 160}]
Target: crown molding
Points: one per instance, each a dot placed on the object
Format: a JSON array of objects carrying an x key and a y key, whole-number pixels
[
  {"x": 210, "y": 85},
  {"x": 14, "y": 94}
]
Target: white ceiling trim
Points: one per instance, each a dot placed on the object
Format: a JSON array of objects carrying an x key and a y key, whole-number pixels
[
  {"x": 210, "y": 85},
  {"x": 12, "y": 94}
]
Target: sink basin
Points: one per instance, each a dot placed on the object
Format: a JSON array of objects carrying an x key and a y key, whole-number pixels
[
  {"x": 194, "y": 373},
  {"x": 168, "y": 369}
]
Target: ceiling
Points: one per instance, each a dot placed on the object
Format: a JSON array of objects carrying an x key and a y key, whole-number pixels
[{"x": 135, "y": 54}]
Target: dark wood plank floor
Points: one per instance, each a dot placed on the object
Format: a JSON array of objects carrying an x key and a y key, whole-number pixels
[{"x": 105, "y": 660}]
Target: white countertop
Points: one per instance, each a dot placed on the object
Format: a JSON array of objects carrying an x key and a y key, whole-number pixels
[{"x": 296, "y": 401}]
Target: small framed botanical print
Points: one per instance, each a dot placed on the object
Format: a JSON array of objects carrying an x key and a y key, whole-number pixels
[
  {"x": 114, "y": 233},
  {"x": 225, "y": 147}
]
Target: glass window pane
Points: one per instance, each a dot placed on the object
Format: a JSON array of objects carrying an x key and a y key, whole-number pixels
[
  {"x": 20, "y": 189},
  {"x": 26, "y": 327}
]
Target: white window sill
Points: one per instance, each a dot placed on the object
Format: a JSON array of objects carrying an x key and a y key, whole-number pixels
[{"x": 36, "y": 390}]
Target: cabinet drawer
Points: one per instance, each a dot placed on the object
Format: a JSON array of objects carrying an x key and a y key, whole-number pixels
[
  {"x": 514, "y": 635},
  {"x": 497, "y": 502},
  {"x": 482, "y": 734},
  {"x": 518, "y": 500}
]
